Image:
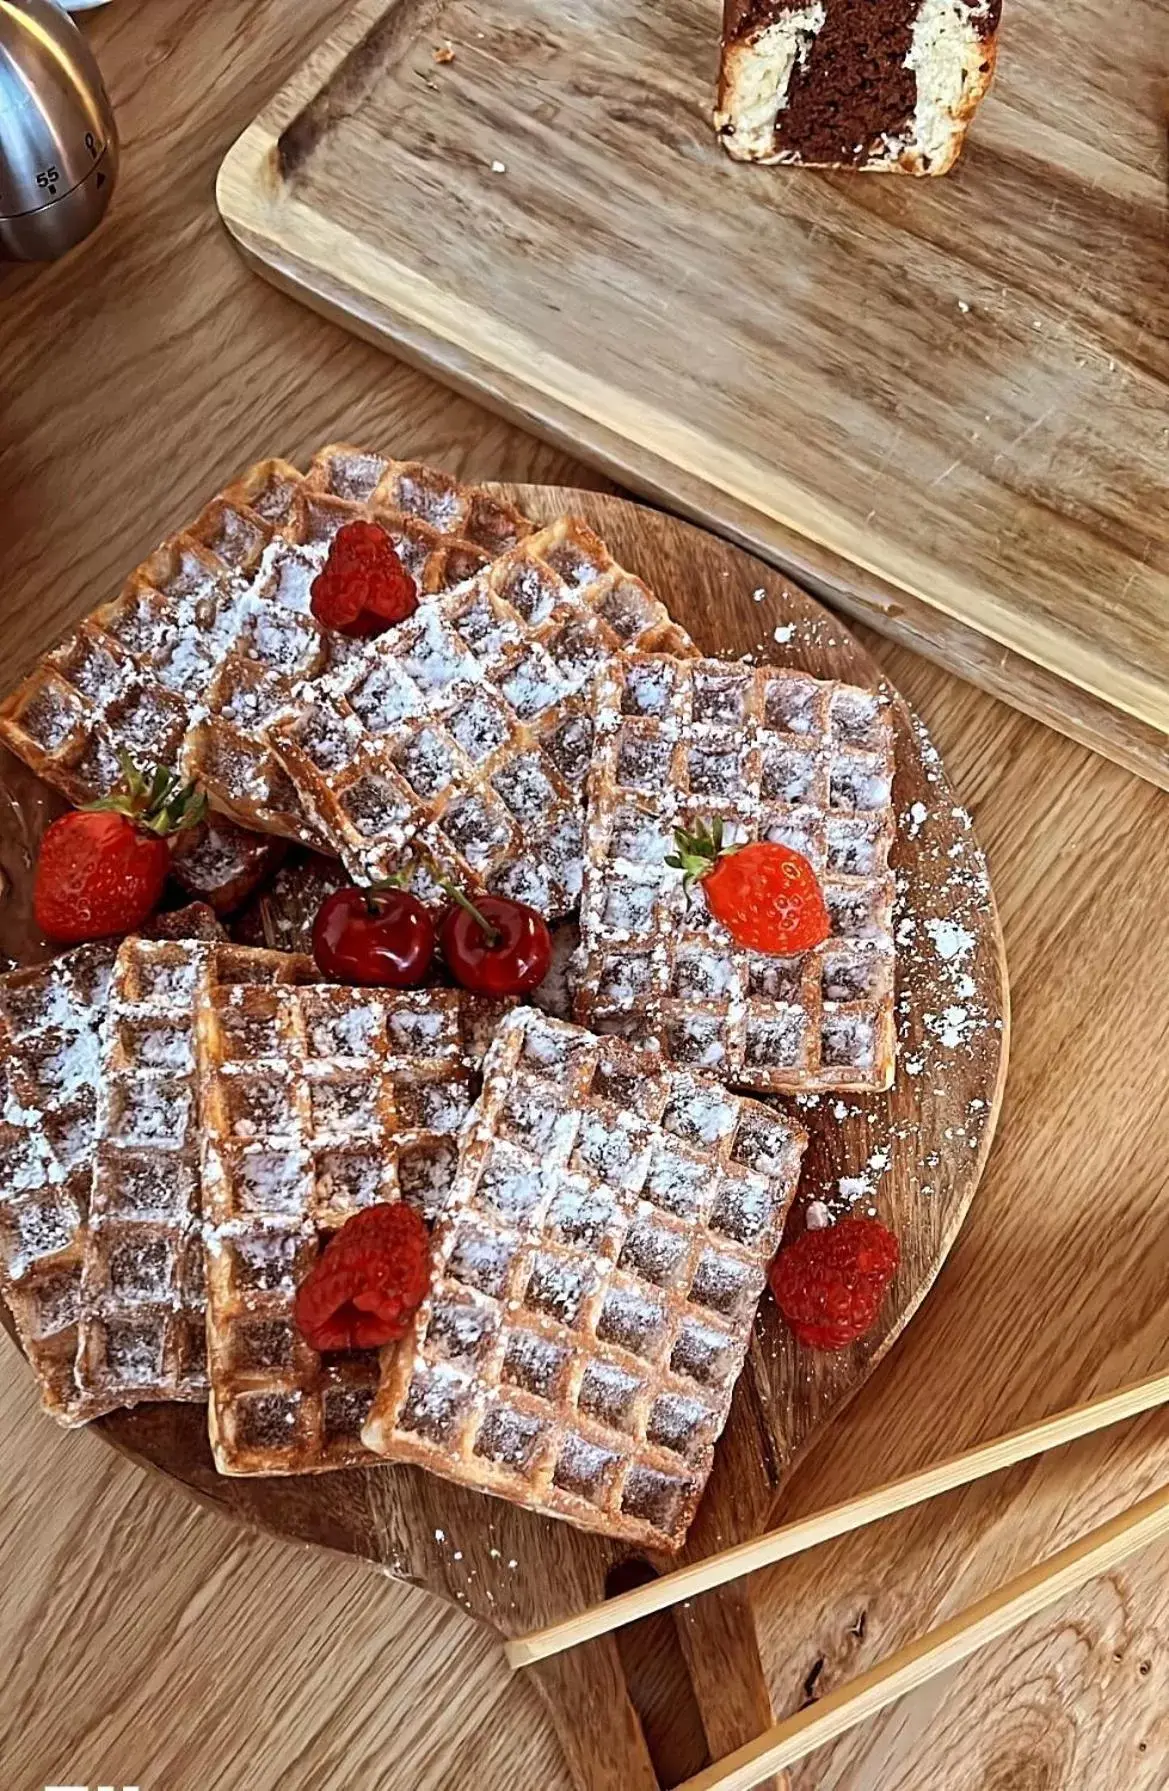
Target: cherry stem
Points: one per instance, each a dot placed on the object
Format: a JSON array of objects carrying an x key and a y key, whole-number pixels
[
  {"x": 396, "y": 880},
  {"x": 490, "y": 933}
]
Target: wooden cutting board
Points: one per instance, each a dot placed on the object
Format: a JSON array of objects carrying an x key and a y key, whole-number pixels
[
  {"x": 942, "y": 404},
  {"x": 913, "y": 1155}
]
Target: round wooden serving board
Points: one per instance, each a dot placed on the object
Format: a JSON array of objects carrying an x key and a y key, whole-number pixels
[{"x": 912, "y": 1156}]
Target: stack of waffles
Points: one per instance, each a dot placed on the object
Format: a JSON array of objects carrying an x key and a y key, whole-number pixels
[
  {"x": 187, "y": 1123},
  {"x": 209, "y": 636}
]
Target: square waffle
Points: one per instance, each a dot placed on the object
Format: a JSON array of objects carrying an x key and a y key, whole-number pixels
[
  {"x": 51, "y": 1023},
  {"x": 464, "y": 734},
  {"x": 142, "y": 1333},
  {"x": 595, "y": 1281},
  {"x": 776, "y": 755},
  {"x": 219, "y": 615},
  {"x": 317, "y": 1102}
]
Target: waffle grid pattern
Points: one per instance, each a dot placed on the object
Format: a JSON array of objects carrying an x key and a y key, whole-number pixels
[
  {"x": 51, "y": 1024},
  {"x": 318, "y": 1102},
  {"x": 595, "y": 1282},
  {"x": 217, "y": 617},
  {"x": 776, "y": 755},
  {"x": 279, "y": 645},
  {"x": 141, "y": 1333},
  {"x": 465, "y": 734}
]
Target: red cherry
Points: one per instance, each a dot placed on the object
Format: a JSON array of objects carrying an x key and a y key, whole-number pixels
[
  {"x": 380, "y": 937},
  {"x": 496, "y": 947}
]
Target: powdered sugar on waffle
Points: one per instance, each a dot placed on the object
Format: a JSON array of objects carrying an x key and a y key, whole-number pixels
[
  {"x": 942, "y": 943},
  {"x": 141, "y": 1333},
  {"x": 51, "y": 1025},
  {"x": 319, "y": 1102},
  {"x": 207, "y": 636},
  {"x": 463, "y": 735},
  {"x": 595, "y": 1281},
  {"x": 773, "y": 755},
  {"x": 942, "y": 891}
]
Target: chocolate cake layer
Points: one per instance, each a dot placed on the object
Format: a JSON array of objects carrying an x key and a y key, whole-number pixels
[{"x": 869, "y": 84}]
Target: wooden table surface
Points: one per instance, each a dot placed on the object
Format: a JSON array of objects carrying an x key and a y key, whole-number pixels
[{"x": 146, "y": 1642}]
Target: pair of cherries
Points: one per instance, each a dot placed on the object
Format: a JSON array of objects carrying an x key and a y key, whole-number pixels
[{"x": 387, "y": 938}]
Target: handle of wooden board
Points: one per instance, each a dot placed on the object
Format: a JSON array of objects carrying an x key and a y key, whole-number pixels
[
  {"x": 717, "y": 1635},
  {"x": 597, "y": 1726},
  {"x": 655, "y": 1703},
  {"x": 992, "y": 1617},
  {"x": 587, "y": 1698},
  {"x": 721, "y": 1650},
  {"x": 719, "y": 1570}
]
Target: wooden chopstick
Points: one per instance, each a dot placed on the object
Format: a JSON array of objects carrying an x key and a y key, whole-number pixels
[
  {"x": 838, "y": 1520},
  {"x": 993, "y": 1616}
]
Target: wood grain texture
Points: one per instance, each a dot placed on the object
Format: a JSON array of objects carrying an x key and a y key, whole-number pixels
[
  {"x": 1054, "y": 1580},
  {"x": 547, "y": 221},
  {"x": 146, "y": 1642},
  {"x": 934, "y": 1481}
]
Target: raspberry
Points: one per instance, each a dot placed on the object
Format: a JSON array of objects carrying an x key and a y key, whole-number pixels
[
  {"x": 829, "y": 1284},
  {"x": 368, "y": 1282},
  {"x": 363, "y": 587}
]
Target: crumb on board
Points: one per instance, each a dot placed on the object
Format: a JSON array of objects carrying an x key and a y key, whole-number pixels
[{"x": 444, "y": 53}]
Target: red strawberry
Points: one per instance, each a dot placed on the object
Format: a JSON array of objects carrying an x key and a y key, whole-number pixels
[
  {"x": 829, "y": 1284},
  {"x": 766, "y": 895},
  {"x": 364, "y": 587},
  {"x": 102, "y": 869}
]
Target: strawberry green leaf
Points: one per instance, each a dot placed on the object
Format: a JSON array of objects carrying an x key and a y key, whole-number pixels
[
  {"x": 698, "y": 852},
  {"x": 160, "y": 804}
]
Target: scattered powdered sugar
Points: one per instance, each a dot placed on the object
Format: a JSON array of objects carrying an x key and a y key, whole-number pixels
[
  {"x": 951, "y": 939},
  {"x": 945, "y": 1030},
  {"x": 953, "y": 1027}
]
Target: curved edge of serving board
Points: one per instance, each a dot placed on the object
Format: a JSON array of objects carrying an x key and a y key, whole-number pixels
[{"x": 956, "y": 1218}]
